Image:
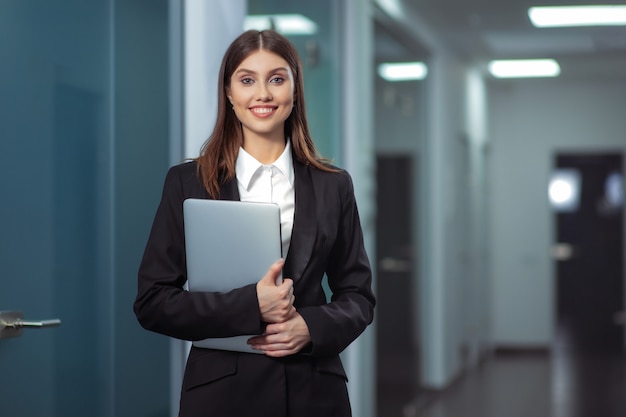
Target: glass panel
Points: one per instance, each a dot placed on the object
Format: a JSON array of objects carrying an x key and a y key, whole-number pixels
[
  {"x": 53, "y": 112},
  {"x": 71, "y": 239}
]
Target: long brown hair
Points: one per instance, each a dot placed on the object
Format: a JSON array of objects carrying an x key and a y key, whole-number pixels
[{"x": 216, "y": 163}]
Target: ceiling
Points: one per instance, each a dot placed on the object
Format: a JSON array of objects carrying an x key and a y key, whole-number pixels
[{"x": 482, "y": 30}]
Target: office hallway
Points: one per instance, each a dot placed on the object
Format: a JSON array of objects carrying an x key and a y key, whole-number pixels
[{"x": 533, "y": 384}]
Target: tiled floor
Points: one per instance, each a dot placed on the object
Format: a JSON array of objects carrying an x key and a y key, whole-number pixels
[{"x": 525, "y": 385}]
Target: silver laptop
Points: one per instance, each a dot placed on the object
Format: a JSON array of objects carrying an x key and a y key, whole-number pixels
[{"x": 229, "y": 244}]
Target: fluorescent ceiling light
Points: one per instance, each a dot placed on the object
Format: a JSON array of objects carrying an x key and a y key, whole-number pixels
[
  {"x": 392, "y": 7},
  {"x": 523, "y": 68},
  {"x": 560, "y": 16},
  {"x": 403, "y": 71},
  {"x": 287, "y": 24}
]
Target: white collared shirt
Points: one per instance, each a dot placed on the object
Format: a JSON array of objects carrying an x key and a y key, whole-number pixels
[{"x": 269, "y": 184}]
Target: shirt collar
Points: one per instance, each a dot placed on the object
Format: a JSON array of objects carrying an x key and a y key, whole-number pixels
[
  {"x": 285, "y": 163},
  {"x": 246, "y": 165}
]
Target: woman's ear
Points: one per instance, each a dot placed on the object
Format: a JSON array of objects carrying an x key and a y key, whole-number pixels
[{"x": 228, "y": 95}]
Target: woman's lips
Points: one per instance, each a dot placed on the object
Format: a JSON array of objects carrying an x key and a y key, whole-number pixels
[{"x": 263, "y": 111}]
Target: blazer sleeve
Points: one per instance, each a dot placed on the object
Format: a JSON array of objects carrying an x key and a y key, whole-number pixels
[
  {"x": 335, "y": 325},
  {"x": 162, "y": 304}
]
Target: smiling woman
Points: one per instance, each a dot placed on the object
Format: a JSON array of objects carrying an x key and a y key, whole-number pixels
[{"x": 261, "y": 151}]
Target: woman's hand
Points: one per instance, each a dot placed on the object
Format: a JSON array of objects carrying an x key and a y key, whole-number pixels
[
  {"x": 283, "y": 339},
  {"x": 275, "y": 301}
]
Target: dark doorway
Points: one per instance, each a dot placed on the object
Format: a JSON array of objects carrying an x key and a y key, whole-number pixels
[
  {"x": 589, "y": 257},
  {"x": 397, "y": 354}
]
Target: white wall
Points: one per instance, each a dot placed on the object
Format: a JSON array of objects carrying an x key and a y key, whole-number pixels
[
  {"x": 358, "y": 151},
  {"x": 529, "y": 121},
  {"x": 452, "y": 250},
  {"x": 477, "y": 283},
  {"x": 453, "y": 326},
  {"x": 209, "y": 28}
]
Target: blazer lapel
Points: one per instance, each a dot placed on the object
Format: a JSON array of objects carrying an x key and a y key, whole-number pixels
[{"x": 304, "y": 225}]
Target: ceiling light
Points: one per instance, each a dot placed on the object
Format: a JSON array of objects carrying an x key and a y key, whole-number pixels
[
  {"x": 287, "y": 24},
  {"x": 524, "y": 68},
  {"x": 392, "y": 7},
  {"x": 559, "y": 16},
  {"x": 403, "y": 71}
]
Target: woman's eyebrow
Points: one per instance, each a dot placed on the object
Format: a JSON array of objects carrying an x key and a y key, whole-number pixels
[{"x": 249, "y": 71}]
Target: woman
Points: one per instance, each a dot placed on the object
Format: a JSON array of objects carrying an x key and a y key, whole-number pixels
[{"x": 261, "y": 150}]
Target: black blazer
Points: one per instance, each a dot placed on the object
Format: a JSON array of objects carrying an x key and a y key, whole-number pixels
[{"x": 326, "y": 239}]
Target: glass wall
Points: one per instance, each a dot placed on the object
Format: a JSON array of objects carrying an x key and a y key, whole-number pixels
[
  {"x": 54, "y": 132},
  {"x": 83, "y": 135}
]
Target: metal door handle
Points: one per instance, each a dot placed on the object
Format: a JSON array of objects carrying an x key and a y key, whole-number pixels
[
  {"x": 12, "y": 323},
  {"x": 36, "y": 324}
]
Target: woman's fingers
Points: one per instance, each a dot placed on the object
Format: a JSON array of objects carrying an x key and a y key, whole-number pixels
[
  {"x": 275, "y": 301},
  {"x": 282, "y": 339}
]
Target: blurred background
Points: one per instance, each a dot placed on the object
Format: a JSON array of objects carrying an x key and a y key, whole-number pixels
[{"x": 492, "y": 207}]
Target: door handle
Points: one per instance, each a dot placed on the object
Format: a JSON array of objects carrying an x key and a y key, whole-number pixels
[
  {"x": 12, "y": 323},
  {"x": 391, "y": 264},
  {"x": 564, "y": 251}
]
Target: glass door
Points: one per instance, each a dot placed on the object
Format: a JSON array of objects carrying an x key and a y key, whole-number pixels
[
  {"x": 70, "y": 235},
  {"x": 53, "y": 110}
]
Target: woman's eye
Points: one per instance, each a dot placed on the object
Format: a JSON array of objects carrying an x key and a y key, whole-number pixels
[
  {"x": 277, "y": 80},
  {"x": 247, "y": 80}
]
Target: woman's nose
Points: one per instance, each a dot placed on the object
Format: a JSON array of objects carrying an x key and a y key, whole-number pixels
[{"x": 264, "y": 93}]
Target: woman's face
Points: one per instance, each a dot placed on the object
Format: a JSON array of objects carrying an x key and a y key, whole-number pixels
[{"x": 262, "y": 94}]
